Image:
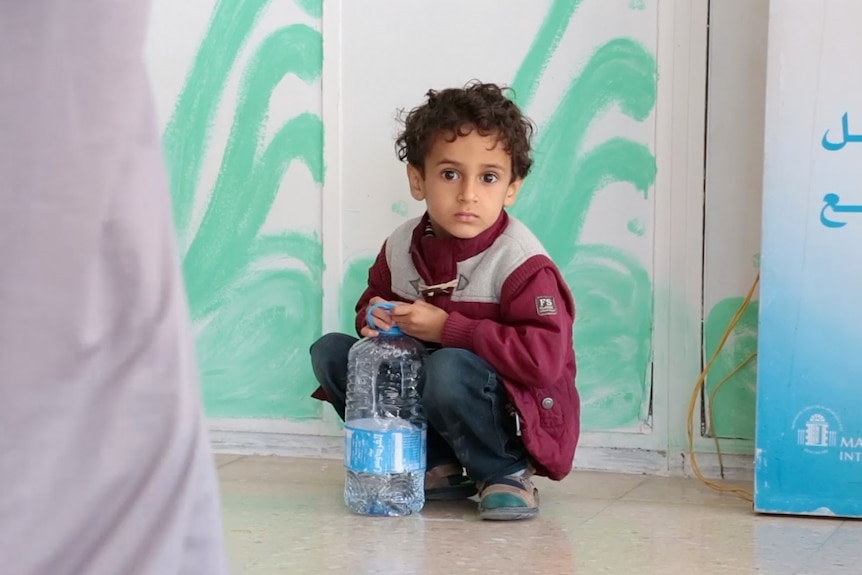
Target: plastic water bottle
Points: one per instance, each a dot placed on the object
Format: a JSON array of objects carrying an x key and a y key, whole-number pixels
[{"x": 385, "y": 429}]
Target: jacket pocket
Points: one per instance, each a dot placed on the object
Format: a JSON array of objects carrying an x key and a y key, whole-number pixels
[{"x": 549, "y": 406}]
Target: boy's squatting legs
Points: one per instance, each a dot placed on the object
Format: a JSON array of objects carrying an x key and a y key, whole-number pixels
[
  {"x": 464, "y": 399},
  {"x": 464, "y": 402}
]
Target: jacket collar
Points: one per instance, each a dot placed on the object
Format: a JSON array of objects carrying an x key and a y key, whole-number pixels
[{"x": 436, "y": 259}]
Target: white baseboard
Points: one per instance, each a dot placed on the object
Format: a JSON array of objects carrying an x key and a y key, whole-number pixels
[
  {"x": 733, "y": 467},
  {"x": 282, "y": 444},
  {"x": 608, "y": 459},
  {"x": 621, "y": 460}
]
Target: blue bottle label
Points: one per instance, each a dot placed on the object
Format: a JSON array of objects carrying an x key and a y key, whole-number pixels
[{"x": 384, "y": 452}]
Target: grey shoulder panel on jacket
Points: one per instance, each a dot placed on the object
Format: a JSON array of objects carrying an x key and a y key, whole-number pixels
[
  {"x": 399, "y": 261},
  {"x": 488, "y": 271},
  {"x": 401, "y": 237}
]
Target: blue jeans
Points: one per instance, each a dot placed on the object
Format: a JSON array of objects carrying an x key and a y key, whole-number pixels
[{"x": 463, "y": 400}]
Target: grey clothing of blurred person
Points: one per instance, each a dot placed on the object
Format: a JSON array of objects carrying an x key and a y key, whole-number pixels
[{"x": 105, "y": 464}]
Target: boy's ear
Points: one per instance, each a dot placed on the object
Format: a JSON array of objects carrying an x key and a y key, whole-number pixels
[
  {"x": 414, "y": 176},
  {"x": 512, "y": 192}
]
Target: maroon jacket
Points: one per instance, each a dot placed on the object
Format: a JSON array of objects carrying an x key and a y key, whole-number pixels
[{"x": 511, "y": 307}]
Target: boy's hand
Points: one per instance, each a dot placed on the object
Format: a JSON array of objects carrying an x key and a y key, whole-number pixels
[
  {"x": 420, "y": 320},
  {"x": 381, "y": 316}
]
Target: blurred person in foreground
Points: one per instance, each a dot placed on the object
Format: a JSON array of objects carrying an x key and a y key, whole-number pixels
[{"x": 105, "y": 465}]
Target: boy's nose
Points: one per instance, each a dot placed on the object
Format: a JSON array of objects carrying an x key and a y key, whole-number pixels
[{"x": 468, "y": 192}]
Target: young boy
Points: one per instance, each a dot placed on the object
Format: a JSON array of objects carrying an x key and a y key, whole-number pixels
[{"x": 478, "y": 289}]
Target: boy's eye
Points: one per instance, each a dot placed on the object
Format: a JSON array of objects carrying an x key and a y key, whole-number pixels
[
  {"x": 489, "y": 178},
  {"x": 450, "y": 175}
]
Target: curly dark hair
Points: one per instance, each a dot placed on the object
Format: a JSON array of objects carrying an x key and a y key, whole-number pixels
[{"x": 456, "y": 112}]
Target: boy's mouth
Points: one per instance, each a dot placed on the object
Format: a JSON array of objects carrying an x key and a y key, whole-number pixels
[{"x": 466, "y": 217}]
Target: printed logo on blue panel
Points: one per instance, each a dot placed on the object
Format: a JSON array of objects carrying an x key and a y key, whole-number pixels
[{"x": 817, "y": 429}]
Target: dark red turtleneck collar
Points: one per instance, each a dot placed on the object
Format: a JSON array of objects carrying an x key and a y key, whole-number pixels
[{"x": 436, "y": 258}]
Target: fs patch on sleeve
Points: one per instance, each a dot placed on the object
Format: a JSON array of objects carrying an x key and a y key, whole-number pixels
[{"x": 545, "y": 305}]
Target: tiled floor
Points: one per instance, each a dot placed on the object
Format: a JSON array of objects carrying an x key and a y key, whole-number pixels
[{"x": 287, "y": 516}]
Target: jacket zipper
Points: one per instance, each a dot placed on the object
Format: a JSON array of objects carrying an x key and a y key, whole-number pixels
[{"x": 514, "y": 413}]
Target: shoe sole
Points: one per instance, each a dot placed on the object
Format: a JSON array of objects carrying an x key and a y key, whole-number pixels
[
  {"x": 451, "y": 493},
  {"x": 508, "y": 513},
  {"x": 511, "y": 513}
]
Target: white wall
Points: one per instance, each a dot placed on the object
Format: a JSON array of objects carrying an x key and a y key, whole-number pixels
[{"x": 734, "y": 182}]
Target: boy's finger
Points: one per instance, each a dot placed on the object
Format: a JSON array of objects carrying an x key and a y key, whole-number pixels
[
  {"x": 381, "y": 315},
  {"x": 401, "y": 310},
  {"x": 380, "y": 326},
  {"x": 368, "y": 332}
]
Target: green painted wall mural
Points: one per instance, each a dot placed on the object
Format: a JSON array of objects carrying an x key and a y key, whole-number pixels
[
  {"x": 254, "y": 313},
  {"x": 731, "y": 384},
  {"x": 613, "y": 292},
  {"x": 734, "y": 406},
  {"x": 257, "y": 317}
]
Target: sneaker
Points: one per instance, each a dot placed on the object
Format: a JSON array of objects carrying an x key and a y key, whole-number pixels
[
  {"x": 447, "y": 482},
  {"x": 508, "y": 498}
]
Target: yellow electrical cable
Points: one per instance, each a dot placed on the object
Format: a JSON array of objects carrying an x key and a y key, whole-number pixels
[
  {"x": 712, "y": 395},
  {"x": 696, "y": 392}
]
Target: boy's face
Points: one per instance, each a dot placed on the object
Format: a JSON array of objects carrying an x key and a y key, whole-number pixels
[{"x": 466, "y": 185}]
